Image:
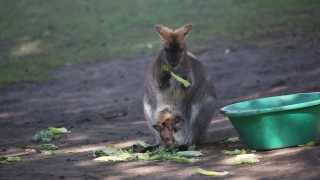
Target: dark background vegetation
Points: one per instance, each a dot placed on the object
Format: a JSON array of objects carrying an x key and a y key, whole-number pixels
[{"x": 38, "y": 36}]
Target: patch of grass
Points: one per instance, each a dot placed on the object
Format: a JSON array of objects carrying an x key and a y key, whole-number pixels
[{"x": 37, "y": 36}]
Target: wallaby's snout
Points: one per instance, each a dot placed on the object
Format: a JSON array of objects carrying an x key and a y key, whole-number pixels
[{"x": 174, "y": 42}]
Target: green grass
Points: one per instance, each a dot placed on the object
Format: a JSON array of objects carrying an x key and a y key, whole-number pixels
[{"x": 37, "y": 36}]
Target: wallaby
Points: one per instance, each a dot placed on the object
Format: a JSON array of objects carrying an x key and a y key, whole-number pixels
[{"x": 177, "y": 113}]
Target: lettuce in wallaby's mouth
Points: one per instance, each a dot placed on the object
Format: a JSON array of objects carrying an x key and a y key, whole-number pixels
[{"x": 184, "y": 82}]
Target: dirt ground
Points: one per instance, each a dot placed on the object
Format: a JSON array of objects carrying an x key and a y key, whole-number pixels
[{"x": 101, "y": 104}]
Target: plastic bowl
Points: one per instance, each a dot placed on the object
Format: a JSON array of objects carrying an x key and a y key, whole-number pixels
[{"x": 276, "y": 122}]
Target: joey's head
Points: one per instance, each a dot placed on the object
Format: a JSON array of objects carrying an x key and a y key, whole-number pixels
[
  {"x": 168, "y": 126},
  {"x": 173, "y": 42}
]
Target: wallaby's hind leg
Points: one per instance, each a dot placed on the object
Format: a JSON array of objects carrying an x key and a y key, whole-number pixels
[
  {"x": 148, "y": 114},
  {"x": 203, "y": 119}
]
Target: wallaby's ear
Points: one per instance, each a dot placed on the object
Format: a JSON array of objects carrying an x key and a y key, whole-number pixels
[
  {"x": 184, "y": 30},
  {"x": 164, "y": 32}
]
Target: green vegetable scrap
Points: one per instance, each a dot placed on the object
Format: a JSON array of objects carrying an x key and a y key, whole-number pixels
[
  {"x": 160, "y": 154},
  {"x": 43, "y": 136},
  {"x": 166, "y": 67},
  {"x": 48, "y": 147},
  {"x": 114, "y": 154},
  {"x": 190, "y": 153},
  {"x": 123, "y": 156},
  {"x": 211, "y": 173},
  {"x": 244, "y": 159},
  {"x": 111, "y": 158},
  {"x": 58, "y": 131},
  {"x": 9, "y": 159},
  {"x": 143, "y": 144},
  {"x": 232, "y": 139},
  {"x": 48, "y": 135},
  {"x": 48, "y": 153},
  {"x": 309, "y": 144},
  {"x": 166, "y": 155},
  {"x": 184, "y": 82},
  {"x": 234, "y": 152},
  {"x": 108, "y": 151}
]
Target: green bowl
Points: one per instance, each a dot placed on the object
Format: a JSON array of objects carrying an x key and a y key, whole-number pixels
[{"x": 276, "y": 122}]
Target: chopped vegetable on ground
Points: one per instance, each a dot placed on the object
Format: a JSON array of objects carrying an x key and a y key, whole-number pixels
[
  {"x": 61, "y": 130},
  {"x": 211, "y": 173},
  {"x": 309, "y": 144},
  {"x": 143, "y": 144},
  {"x": 48, "y": 149},
  {"x": 49, "y": 134},
  {"x": 244, "y": 159},
  {"x": 9, "y": 159},
  {"x": 156, "y": 154},
  {"x": 232, "y": 139},
  {"x": 190, "y": 153},
  {"x": 234, "y": 152}
]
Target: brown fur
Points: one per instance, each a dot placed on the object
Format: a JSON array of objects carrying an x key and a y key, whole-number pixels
[
  {"x": 176, "y": 114},
  {"x": 166, "y": 123},
  {"x": 169, "y": 36}
]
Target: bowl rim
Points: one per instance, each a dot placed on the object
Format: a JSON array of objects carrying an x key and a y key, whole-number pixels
[{"x": 233, "y": 113}]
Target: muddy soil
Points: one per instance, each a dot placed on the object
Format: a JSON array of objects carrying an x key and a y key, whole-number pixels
[{"x": 101, "y": 104}]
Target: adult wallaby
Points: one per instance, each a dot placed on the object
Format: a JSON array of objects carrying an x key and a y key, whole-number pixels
[{"x": 179, "y": 99}]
